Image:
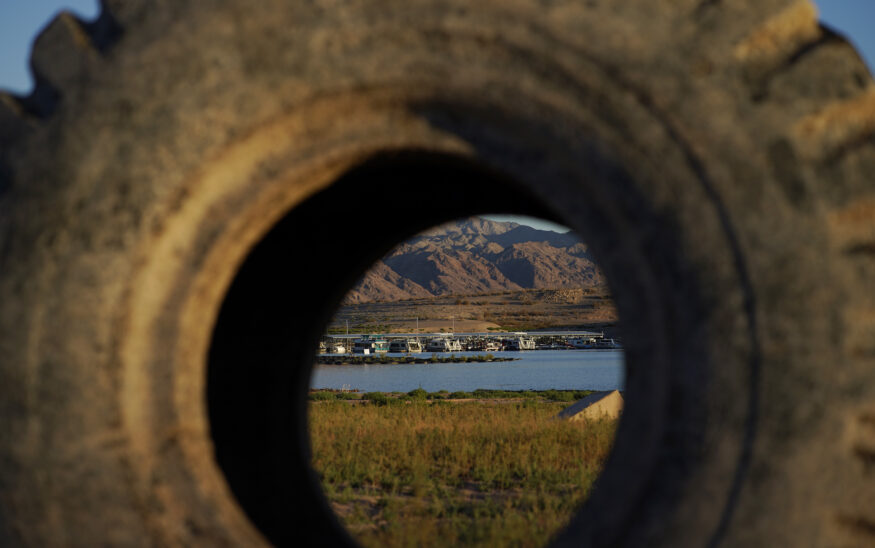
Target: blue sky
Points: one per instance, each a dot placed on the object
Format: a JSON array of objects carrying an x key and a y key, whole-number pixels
[{"x": 21, "y": 20}]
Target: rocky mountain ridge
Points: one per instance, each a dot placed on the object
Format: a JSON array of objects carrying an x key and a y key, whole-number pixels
[{"x": 475, "y": 256}]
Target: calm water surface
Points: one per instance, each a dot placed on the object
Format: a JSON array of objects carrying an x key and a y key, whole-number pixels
[{"x": 536, "y": 370}]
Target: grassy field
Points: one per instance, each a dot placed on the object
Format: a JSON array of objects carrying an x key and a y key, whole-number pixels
[{"x": 439, "y": 473}]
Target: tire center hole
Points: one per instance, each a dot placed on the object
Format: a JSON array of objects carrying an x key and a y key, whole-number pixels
[{"x": 283, "y": 301}]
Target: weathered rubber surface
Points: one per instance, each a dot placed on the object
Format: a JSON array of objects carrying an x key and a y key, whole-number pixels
[{"x": 717, "y": 155}]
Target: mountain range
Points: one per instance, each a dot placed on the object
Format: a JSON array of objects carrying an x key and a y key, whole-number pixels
[{"x": 475, "y": 256}]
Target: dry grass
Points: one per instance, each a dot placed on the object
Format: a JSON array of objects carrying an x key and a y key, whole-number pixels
[
  {"x": 480, "y": 474},
  {"x": 590, "y": 308}
]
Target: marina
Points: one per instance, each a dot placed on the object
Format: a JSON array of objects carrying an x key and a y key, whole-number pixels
[
  {"x": 491, "y": 341},
  {"x": 402, "y": 358}
]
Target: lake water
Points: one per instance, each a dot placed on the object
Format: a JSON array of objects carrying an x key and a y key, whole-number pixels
[{"x": 535, "y": 370}]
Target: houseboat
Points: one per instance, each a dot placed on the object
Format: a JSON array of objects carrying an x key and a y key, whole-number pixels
[
  {"x": 582, "y": 342},
  {"x": 607, "y": 344},
  {"x": 491, "y": 346},
  {"x": 443, "y": 344},
  {"x": 336, "y": 348},
  {"x": 520, "y": 343},
  {"x": 370, "y": 345},
  {"x": 405, "y": 346}
]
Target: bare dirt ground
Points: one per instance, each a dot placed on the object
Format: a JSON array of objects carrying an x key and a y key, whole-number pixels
[
  {"x": 436, "y": 325},
  {"x": 518, "y": 310}
]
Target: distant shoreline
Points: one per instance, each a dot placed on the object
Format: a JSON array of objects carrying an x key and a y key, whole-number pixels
[
  {"x": 480, "y": 395},
  {"x": 384, "y": 359}
]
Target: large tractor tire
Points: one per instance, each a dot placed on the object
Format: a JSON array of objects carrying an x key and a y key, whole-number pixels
[{"x": 169, "y": 190}]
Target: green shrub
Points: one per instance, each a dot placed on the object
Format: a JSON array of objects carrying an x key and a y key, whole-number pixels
[
  {"x": 322, "y": 395},
  {"x": 376, "y": 398},
  {"x": 418, "y": 394},
  {"x": 459, "y": 395}
]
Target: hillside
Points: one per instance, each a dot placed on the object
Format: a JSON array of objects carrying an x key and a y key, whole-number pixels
[{"x": 476, "y": 256}]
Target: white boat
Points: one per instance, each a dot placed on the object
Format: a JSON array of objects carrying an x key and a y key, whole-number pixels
[
  {"x": 582, "y": 342},
  {"x": 492, "y": 346},
  {"x": 370, "y": 345},
  {"x": 607, "y": 343},
  {"x": 443, "y": 344},
  {"x": 405, "y": 345},
  {"x": 336, "y": 348},
  {"x": 520, "y": 343}
]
